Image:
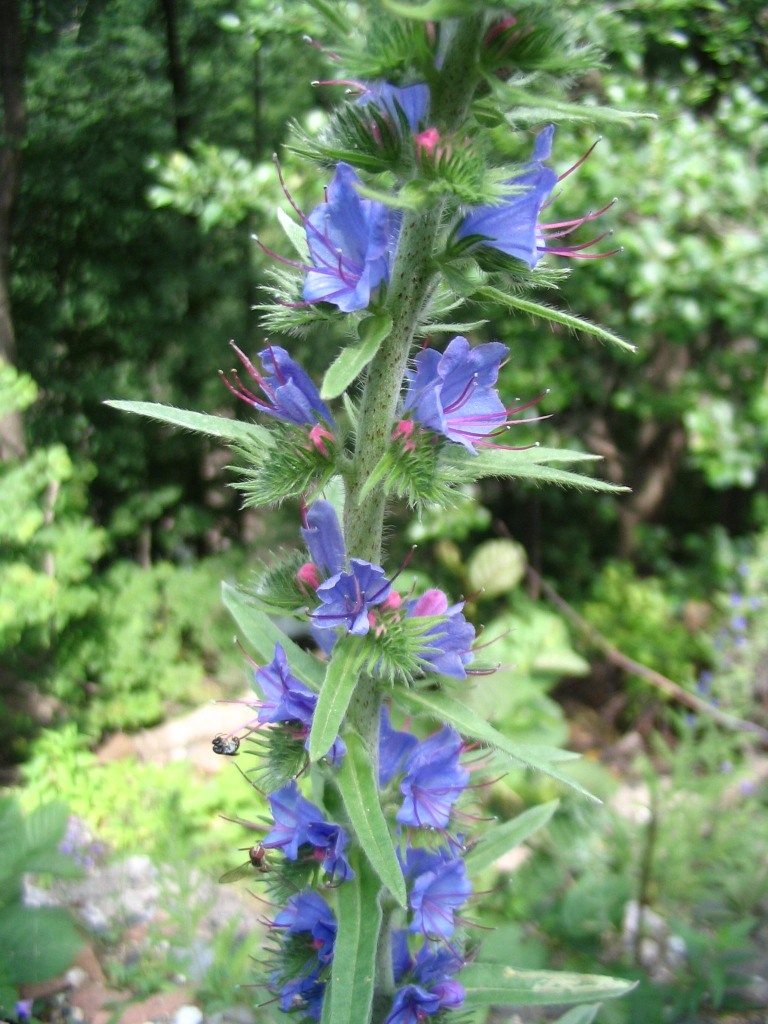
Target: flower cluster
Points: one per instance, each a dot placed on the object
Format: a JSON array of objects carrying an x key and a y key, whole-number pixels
[
  {"x": 356, "y": 597},
  {"x": 286, "y": 700},
  {"x": 432, "y": 777},
  {"x": 513, "y": 226},
  {"x": 350, "y": 255},
  {"x": 288, "y": 394},
  {"x": 306, "y": 931},
  {"x": 302, "y": 834},
  {"x": 429, "y": 984}
]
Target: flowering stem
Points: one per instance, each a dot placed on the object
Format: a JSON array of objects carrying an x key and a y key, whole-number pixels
[{"x": 412, "y": 280}]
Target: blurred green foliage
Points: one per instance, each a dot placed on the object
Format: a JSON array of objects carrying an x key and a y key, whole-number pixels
[{"x": 38, "y": 943}]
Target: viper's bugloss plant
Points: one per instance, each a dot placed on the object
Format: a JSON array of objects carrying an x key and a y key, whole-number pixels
[{"x": 363, "y": 745}]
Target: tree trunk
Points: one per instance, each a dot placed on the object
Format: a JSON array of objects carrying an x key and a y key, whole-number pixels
[
  {"x": 12, "y": 440},
  {"x": 177, "y": 74}
]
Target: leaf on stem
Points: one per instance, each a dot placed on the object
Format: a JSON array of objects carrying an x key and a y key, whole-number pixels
[
  {"x": 350, "y": 992},
  {"x": 498, "y": 985},
  {"x": 261, "y": 634},
  {"x": 557, "y": 316},
  {"x": 505, "y": 837},
  {"x": 444, "y": 708},
  {"x": 352, "y": 360},
  {"x": 201, "y": 423},
  {"x": 526, "y": 464},
  {"x": 341, "y": 677},
  {"x": 360, "y": 793}
]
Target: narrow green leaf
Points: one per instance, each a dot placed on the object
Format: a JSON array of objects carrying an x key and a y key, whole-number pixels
[
  {"x": 296, "y": 235},
  {"x": 351, "y": 361},
  {"x": 432, "y": 10},
  {"x": 527, "y": 464},
  {"x": 360, "y": 793},
  {"x": 201, "y": 423},
  {"x": 262, "y": 634},
  {"x": 353, "y": 971},
  {"x": 334, "y": 16},
  {"x": 338, "y": 686},
  {"x": 557, "y": 110},
  {"x": 505, "y": 837},
  {"x": 557, "y": 316},
  {"x": 439, "y": 328},
  {"x": 579, "y": 1014},
  {"x": 444, "y": 708},
  {"x": 499, "y": 985}
]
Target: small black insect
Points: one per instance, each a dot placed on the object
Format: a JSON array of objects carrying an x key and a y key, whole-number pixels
[
  {"x": 257, "y": 861},
  {"x": 228, "y": 745}
]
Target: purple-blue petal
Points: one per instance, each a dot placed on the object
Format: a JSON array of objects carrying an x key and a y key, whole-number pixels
[
  {"x": 454, "y": 393},
  {"x": 394, "y": 747},
  {"x": 511, "y": 226},
  {"x": 434, "y": 897},
  {"x": 411, "y": 1004},
  {"x": 293, "y": 396},
  {"x": 324, "y": 539},
  {"x": 413, "y": 100},
  {"x": 350, "y": 242},
  {"x": 347, "y": 596}
]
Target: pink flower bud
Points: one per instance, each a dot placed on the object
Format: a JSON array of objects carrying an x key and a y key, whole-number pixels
[
  {"x": 403, "y": 429},
  {"x": 308, "y": 576},
  {"x": 318, "y": 435},
  {"x": 426, "y": 142}
]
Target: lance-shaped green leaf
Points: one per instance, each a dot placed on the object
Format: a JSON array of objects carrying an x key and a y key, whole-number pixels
[
  {"x": 262, "y": 634},
  {"x": 505, "y": 837},
  {"x": 350, "y": 991},
  {"x": 530, "y": 109},
  {"x": 432, "y": 10},
  {"x": 352, "y": 360},
  {"x": 499, "y": 985},
  {"x": 360, "y": 792},
  {"x": 201, "y": 423},
  {"x": 527, "y": 464},
  {"x": 579, "y": 1014},
  {"x": 445, "y": 708},
  {"x": 557, "y": 316},
  {"x": 296, "y": 235},
  {"x": 341, "y": 677}
]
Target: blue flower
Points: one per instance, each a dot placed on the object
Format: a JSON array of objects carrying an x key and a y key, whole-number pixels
[
  {"x": 287, "y": 699},
  {"x": 347, "y": 597},
  {"x": 351, "y": 242},
  {"x": 306, "y": 912},
  {"x": 447, "y": 645},
  {"x": 454, "y": 393},
  {"x": 513, "y": 227},
  {"x": 323, "y": 537},
  {"x": 304, "y": 993},
  {"x": 433, "y": 781},
  {"x": 434, "y": 896},
  {"x": 431, "y": 986},
  {"x": 412, "y": 100},
  {"x": 300, "y": 824},
  {"x": 412, "y": 1004},
  {"x": 394, "y": 747},
  {"x": 289, "y": 393}
]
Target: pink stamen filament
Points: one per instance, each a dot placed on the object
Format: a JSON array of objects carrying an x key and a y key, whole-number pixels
[
  {"x": 461, "y": 400},
  {"x": 579, "y": 162},
  {"x": 581, "y": 246},
  {"x": 578, "y": 221}
]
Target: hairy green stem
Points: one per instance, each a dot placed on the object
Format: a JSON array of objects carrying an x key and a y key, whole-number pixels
[{"x": 412, "y": 281}]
